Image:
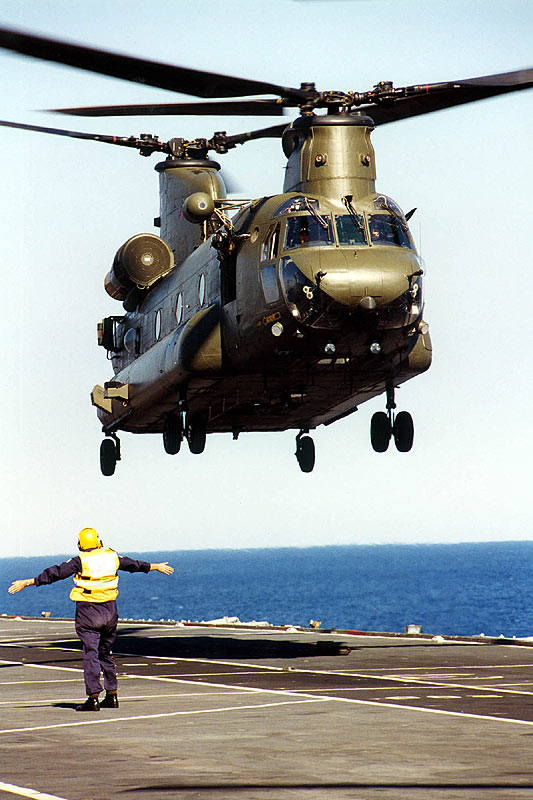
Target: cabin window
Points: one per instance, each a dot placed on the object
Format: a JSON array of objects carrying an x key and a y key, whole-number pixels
[
  {"x": 307, "y": 231},
  {"x": 350, "y": 230},
  {"x": 179, "y": 308},
  {"x": 389, "y": 230},
  {"x": 157, "y": 328},
  {"x": 132, "y": 341},
  {"x": 270, "y": 283},
  {"x": 201, "y": 289},
  {"x": 269, "y": 248}
]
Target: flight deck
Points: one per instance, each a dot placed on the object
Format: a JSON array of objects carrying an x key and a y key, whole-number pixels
[{"x": 226, "y": 712}]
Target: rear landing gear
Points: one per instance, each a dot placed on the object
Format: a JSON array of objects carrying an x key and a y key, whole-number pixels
[
  {"x": 172, "y": 433},
  {"x": 196, "y": 433},
  {"x": 305, "y": 452},
  {"x": 384, "y": 426},
  {"x": 403, "y": 431},
  {"x": 109, "y": 454}
]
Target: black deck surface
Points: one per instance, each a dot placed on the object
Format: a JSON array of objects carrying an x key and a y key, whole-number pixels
[{"x": 240, "y": 713}]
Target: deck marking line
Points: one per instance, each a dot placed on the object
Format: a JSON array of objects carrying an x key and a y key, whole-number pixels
[
  {"x": 40, "y": 666},
  {"x": 8, "y": 787},
  {"x": 40, "y": 682},
  {"x": 123, "y": 698},
  {"x": 468, "y": 667},
  {"x": 159, "y": 716},
  {"x": 296, "y": 693},
  {"x": 400, "y": 697},
  {"x": 443, "y": 696},
  {"x": 267, "y": 668}
]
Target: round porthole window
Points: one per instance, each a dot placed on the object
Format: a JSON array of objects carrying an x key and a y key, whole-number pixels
[
  {"x": 201, "y": 289},
  {"x": 179, "y": 308},
  {"x": 158, "y": 325}
]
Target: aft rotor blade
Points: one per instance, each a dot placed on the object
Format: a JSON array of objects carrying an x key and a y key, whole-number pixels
[
  {"x": 425, "y": 99},
  {"x": 246, "y": 108},
  {"x": 122, "y": 141},
  {"x": 138, "y": 70}
]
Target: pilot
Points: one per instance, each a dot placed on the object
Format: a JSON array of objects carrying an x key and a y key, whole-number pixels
[{"x": 95, "y": 591}]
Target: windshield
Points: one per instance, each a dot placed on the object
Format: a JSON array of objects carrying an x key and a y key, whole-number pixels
[
  {"x": 307, "y": 231},
  {"x": 350, "y": 230},
  {"x": 299, "y": 203},
  {"x": 390, "y": 230}
]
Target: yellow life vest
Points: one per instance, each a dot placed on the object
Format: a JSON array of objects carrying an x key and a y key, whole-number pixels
[{"x": 98, "y": 580}]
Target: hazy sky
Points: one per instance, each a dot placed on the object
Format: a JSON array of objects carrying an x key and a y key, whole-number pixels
[{"x": 66, "y": 206}]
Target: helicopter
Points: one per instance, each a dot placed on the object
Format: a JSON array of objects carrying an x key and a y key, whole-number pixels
[{"x": 281, "y": 312}]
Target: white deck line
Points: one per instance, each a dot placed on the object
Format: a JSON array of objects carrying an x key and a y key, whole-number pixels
[
  {"x": 413, "y": 682},
  {"x": 21, "y": 790},
  {"x": 113, "y": 720}
]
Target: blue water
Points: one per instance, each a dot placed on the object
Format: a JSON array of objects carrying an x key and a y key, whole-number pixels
[{"x": 461, "y": 589}]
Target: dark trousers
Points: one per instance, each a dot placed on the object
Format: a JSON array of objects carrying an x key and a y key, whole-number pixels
[{"x": 96, "y": 626}]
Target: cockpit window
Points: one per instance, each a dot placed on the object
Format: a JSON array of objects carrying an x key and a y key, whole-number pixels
[
  {"x": 307, "y": 231},
  {"x": 350, "y": 230},
  {"x": 384, "y": 203},
  {"x": 269, "y": 248},
  {"x": 389, "y": 230},
  {"x": 295, "y": 204}
]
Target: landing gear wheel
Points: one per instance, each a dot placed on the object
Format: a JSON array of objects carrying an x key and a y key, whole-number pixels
[
  {"x": 404, "y": 431},
  {"x": 172, "y": 433},
  {"x": 196, "y": 433},
  {"x": 305, "y": 453},
  {"x": 108, "y": 457},
  {"x": 380, "y": 431}
]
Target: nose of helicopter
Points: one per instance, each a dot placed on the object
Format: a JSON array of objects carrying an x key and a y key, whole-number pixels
[{"x": 369, "y": 278}]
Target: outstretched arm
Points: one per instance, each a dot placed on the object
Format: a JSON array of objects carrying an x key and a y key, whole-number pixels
[
  {"x": 17, "y": 586},
  {"x": 163, "y": 567}
]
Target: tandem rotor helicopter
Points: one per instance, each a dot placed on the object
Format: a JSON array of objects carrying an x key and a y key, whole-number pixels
[{"x": 282, "y": 312}]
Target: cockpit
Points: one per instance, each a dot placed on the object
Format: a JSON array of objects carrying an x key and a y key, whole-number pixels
[
  {"x": 301, "y": 224},
  {"x": 305, "y": 226}
]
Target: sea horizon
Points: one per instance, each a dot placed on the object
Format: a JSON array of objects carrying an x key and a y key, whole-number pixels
[{"x": 463, "y": 589}]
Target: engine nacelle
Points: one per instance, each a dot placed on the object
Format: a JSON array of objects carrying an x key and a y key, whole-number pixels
[{"x": 139, "y": 263}]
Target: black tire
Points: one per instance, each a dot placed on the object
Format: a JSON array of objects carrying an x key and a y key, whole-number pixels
[
  {"x": 305, "y": 453},
  {"x": 404, "y": 431},
  {"x": 196, "y": 434},
  {"x": 380, "y": 431},
  {"x": 108, "y": 457},
  {"x": 172, "y": 433}
]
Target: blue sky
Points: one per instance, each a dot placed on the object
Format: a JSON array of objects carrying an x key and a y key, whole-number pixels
[{"x": 66, "y": 206}]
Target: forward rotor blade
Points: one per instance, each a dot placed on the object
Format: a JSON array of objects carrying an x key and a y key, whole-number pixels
[
  {"x": 138, "y": 70},
  {"x": 247, "y": 108},
  {"x": 425, "y": 99},
  {"x": 274, "y": 132}
]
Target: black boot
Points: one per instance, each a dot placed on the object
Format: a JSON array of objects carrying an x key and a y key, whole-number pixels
[
  {"x": 110, "y": 700},
  {"x": 91, "y": 704}
]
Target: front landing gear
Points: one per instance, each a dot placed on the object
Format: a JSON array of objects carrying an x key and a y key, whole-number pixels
[
  {"x": 384, "y": 426},
  {"x": 305, "y": 452},
  {"x": 109, "y": 454}
]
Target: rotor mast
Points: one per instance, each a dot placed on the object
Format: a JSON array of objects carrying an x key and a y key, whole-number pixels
[{"x": 330, "y": 155}]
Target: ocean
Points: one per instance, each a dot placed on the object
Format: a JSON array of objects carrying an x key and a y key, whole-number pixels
[{"x": 449, "y": 589}]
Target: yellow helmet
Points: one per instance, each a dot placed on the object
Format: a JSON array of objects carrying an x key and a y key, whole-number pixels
[{"x": 88, "y": 539}]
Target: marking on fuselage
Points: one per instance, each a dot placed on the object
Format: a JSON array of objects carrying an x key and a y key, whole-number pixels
[{"x": 271, "y": 318}]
